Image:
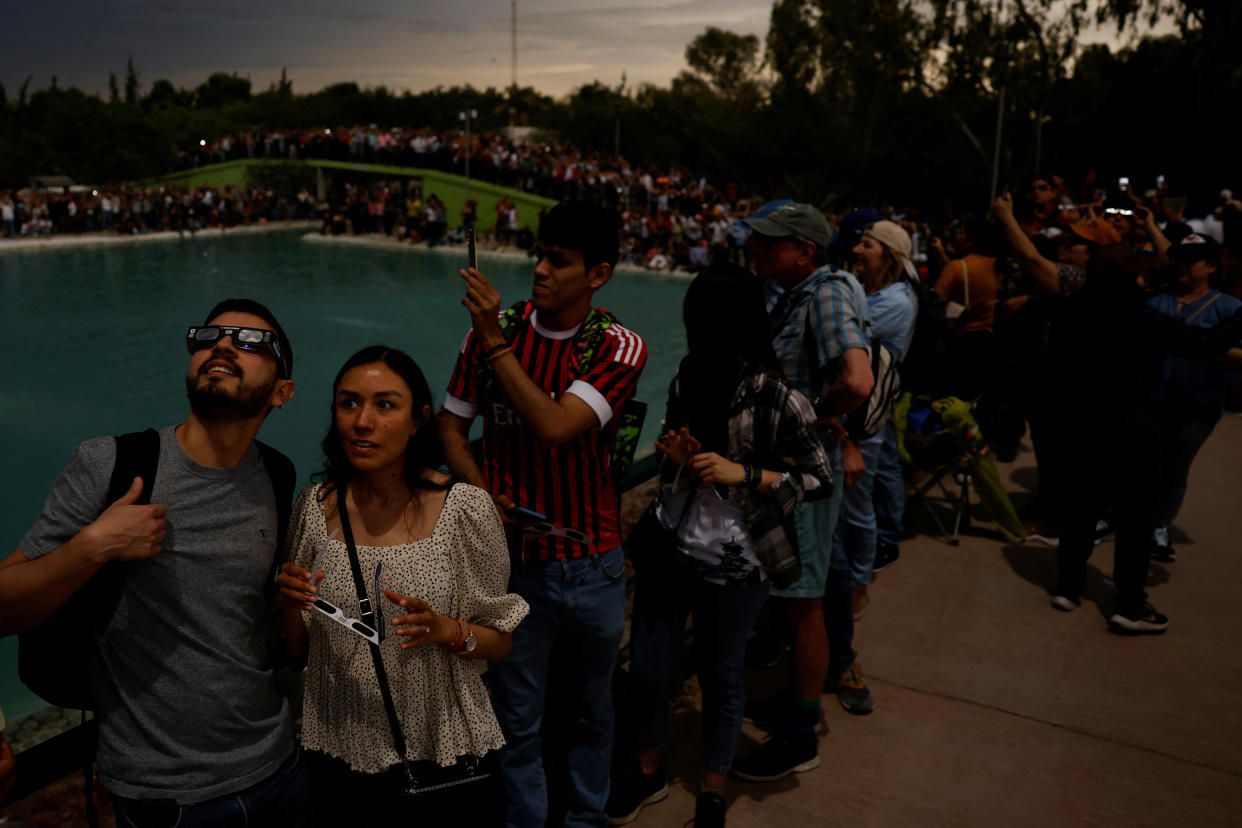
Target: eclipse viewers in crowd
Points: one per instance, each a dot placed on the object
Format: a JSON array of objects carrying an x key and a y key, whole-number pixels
[{"x": 445, "y": 599}]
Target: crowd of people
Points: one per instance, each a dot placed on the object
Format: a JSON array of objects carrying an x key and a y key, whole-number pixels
[
  {"x": 417, "y": 555},
  {"x": 135, "y": 210}
]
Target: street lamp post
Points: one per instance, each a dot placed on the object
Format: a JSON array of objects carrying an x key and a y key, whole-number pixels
[{"x": 467, "y": 116}]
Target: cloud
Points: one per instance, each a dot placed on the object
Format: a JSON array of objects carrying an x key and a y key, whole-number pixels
[{"x": 412, "y": 45}]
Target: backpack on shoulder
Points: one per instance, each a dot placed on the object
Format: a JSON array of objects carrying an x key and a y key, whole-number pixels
[
  {"x": 54, "y": 658},
  {"x": 872, "y": 413}
]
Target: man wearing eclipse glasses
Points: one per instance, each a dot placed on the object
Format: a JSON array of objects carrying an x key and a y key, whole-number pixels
[{"x": 192, "y": 727}]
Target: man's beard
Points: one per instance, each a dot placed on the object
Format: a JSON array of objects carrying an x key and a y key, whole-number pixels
[{"x": 212, "y": 403}]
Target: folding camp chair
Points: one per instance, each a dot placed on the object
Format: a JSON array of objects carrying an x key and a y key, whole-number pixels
[
  {"x": 941, "y": 438},
  {"x": 940, "y": 455}
]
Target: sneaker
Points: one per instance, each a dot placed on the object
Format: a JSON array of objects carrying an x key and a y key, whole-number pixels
[
  {"x": 709, "y": 811},
  {"x": 852, "y": 693},
  {"x": 860, "y": 601},
  {"x": 1104, "y": 531},
  {"x": 777, "y": 758},
  {"x": 631, "y": 792},
  {"x": 1066, "y": 604},
  {"x": 773, "y": 711},
  {"x": 1043, "y": 534},
  {"x": 1162, "y": 551},
  {"x": 886, "y": 554},
  {"x": 1145, "y": 621}
]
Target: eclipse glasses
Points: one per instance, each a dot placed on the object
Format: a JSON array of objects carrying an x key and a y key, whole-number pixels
[{"x": 246, "y": 339}]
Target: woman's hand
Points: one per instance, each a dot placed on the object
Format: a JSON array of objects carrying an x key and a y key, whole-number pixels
[
  {"x": 297, "y": 587},
  {"x": 678, "y": 445},
  {"x": 712, "y": 468},
  {"x": 421, "y": 625}
]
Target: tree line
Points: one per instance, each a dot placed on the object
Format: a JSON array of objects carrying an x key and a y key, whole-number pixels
[{"x": 840, "y": 103}]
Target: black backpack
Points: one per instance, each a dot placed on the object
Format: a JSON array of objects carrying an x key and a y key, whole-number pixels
[
  {"x": 53, "y": 659},
  {"x": 926, "y": 368}
]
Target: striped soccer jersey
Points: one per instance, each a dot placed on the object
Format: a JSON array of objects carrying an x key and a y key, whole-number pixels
[{"x": 571, "y": 483}]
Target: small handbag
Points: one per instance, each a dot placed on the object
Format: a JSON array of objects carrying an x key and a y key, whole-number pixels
[{"x": 420, "y": 780}]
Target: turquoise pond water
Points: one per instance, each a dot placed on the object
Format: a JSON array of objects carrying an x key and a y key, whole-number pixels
[{"x": 92, "y": 343}]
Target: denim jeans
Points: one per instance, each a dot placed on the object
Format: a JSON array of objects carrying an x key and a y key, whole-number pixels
[
  {"x": 284, "y": 798},
  {"x": 890, "y": 489},
  {"x": 723, "y": 616},
  {"x": 577, "y": 613},
  {"x": 1183, "y": 432},
  {"x": 856, "y": 528}
]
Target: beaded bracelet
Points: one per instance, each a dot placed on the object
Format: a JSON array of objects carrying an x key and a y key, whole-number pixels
[{"x": 496, "y": 353}]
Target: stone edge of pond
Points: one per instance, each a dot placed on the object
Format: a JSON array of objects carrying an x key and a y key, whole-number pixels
[{"x": 91, "y": 239}]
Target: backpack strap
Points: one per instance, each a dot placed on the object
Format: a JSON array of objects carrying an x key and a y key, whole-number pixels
[
  {"x": 137, "y": 455},
  {"x": 1203, "y": 307},
  {"x": 284, "y": 477}
]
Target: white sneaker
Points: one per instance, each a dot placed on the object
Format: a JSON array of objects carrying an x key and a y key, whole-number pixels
[{"x": 1064, "y": 604}]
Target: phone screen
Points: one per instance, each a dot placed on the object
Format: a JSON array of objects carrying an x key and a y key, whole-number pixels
[{"x": 526, "y": 514}]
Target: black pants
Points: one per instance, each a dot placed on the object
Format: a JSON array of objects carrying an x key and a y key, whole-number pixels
[
  {"x": 347, "y": 797},
  {"x": 1109, "y": 464}
]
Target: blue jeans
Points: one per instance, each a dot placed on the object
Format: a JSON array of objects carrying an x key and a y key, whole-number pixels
[
  {"x": 1183, "y": 433},
  {"x": 723, "y": 616},
  {"x": 890, "y": 489},
  {"x": 577, "y": 611},
  {"x": 284, "y": 798},
  {"x": 856, "y": 529}
]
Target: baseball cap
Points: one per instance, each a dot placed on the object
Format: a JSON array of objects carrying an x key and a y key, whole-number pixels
[
  {"x": 791, "y": 219},
  {"x": 1195, "y": 247},
  {"x": 850, "y": 229}
]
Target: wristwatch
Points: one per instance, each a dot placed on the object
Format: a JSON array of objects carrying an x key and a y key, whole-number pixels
[{"x": 471, "y": 642}]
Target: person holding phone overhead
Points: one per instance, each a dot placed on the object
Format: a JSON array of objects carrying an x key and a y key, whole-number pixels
[
  {"x": 550, "y": 376},
  {"x": 393, "y": 696}
]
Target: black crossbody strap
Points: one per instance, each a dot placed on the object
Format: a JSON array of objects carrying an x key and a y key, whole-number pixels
[{"x": 368, "y": 618}]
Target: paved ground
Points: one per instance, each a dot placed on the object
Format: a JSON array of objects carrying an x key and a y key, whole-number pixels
[{"x": 994, "y": 709}]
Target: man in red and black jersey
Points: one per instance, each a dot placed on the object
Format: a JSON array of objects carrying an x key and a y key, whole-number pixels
[{"x": 549, "y": 377}]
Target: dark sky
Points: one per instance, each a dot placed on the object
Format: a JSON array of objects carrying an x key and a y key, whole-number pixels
[{"x": 412, "y": 45}]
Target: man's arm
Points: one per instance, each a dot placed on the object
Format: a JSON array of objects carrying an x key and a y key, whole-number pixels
[
  {"x": 851, "y": 387},
  {"x": 553, "y": 421},
  {"x": 31, "y": 590},
  {"x": 1044, "y": 271},
  {"x": 455, "y": 434}
]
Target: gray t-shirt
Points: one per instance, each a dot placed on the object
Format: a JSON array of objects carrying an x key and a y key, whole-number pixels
[{"x": 188, "y": 705}]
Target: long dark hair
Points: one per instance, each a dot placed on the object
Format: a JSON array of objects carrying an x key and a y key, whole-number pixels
[
  {"x": 726, "y": 326},
  {"x": 424, "y": 451}
]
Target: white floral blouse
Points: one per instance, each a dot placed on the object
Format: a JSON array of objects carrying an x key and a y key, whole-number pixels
[{"x": 461, "y": 570}]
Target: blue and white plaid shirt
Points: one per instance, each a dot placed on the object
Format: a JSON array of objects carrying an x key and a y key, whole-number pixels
[{"x": 814, "y": 322}]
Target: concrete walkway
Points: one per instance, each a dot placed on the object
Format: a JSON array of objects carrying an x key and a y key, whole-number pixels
[{"x": 992, "y": 708}]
